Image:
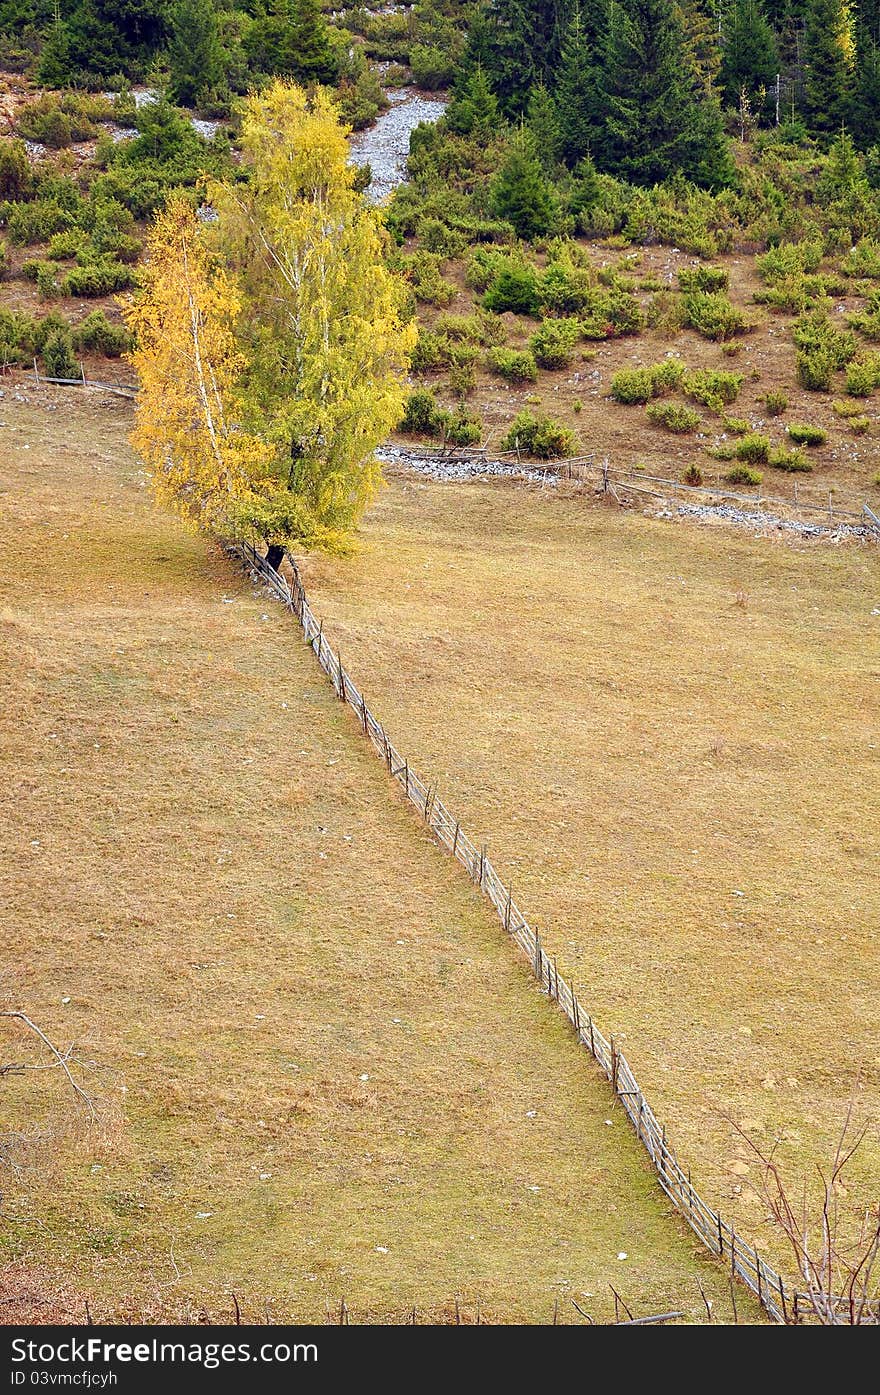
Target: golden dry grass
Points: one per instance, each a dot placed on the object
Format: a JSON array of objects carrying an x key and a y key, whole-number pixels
[
  {"x": 669, "y": 736},
  {"x": 325, "y": 1041}
]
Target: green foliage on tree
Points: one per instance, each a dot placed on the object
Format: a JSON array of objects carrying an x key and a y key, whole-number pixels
[
  {"x": 579, "y": 95},
  {"x": 542, "y": 123},
  {"x": 659, "y": 120},
  {"x": 520, "y": 192},
  {"x": 194, "y": 53},
  {"x": 865, "y": 111},
  {"x": 829, "y": 62},
  {"x": 292, "y": 41},
  {"x": 518, "y": 42},
  {"x": 474, "y": 106},
  {"x": 749, "y": 55}
]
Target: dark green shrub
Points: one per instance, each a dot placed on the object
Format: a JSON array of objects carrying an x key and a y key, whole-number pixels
[
  {"x": 776, "y": 403},
  {"x": 515, "y": 287},
  {"x": 632, "y": 386},
  {"x": 715, "y": 388},
  {"x": 422, "y": 416},
  {"x": 96, "y": 276},
  {"x": 431, "y": 351},
  {"x": 58, "y": 358},
  {"x": 540, "y": 437},
  {"x": 674, "y": 416},
  {"x": 754, "y": 448},
  {"x": 516, "y": 365},
  {"x": 98, "y": 334},
  {"x": 711, "y": 314},
  {"x": 704, "y": 278},
  {"x": 692, "y": 475},
  {"x": 463, "y": 429},
  {"x": 36, "y": 221},
  {"x": 863, "y": 260},
  {"x": 744, "y": 474},
  {"x": 553, "y": 343}
]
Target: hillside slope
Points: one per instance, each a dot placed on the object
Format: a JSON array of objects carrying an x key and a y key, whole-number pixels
[{"x": 322, "y": 1070}]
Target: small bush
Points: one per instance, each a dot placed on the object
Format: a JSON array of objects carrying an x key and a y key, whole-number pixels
[
  {"x": 792, "y": 461},
  {"x": 704, "y": 278},
  {"x": 431, "y": 351},
  {"x": 715, "y": 388},
  {"x": 553, "y": 343},
  {"x": 516, "y": 365},
  {"x": 516, "y": 288},
  {"x": 822, "y": 349},
  {"x": 776, "y": 403},
  {"x": 538, "y": 436},
  {"x": 692, "y": 475},
  {"x": 860, "y": 426},
  {"x": 666, "y": 313},
  {"x": 463, "y": 429},
  {"x": 479, "y": 328},
  {"x": 711, "y": 314},
  {"x": 96, "y": 276},
  {"x": 58, "y": 355},
  {"x": 422, "y": 416},
  {"x": 753, "y": 448},
  {"x": 744, "y": 474},
  {"x": 422, "y": 270},
  {"x": 863, "y": 260},
  {"x": 789, "y": 259},
  {"x": 666, "y": 376},
  {"x": 842, "y": 408},
  {"x": 673, "y": 416},
  {"x": 863, "y": 375},
  {"x": 98, "y": 334},
  {"x": 632, "y": 386},
  {"x": 737, "y": 426},
  {"x": 804, "y": 435}
]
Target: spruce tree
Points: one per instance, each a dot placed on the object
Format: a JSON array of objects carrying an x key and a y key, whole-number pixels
[
  {"x": 701, "y": 36},
  {"x": 519, "y": 45},
  {"x": 194, "y": 57},
  {"x": 474, "y": 107},
  {"x": 865, "y": 114},
  {"x": 749, "y": 57},
  {"x": 543, "y": 126},
  {"x": 292, "y": 41},
  {"x": 659, "y": 120},
  {"x": 521, "y": 194},
  {"x": 579, "y": 99},
  {"x": 829, "y": 60}
]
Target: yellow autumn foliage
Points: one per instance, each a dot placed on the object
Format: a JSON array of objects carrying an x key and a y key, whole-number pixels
[{"x": 271, "y": 344}]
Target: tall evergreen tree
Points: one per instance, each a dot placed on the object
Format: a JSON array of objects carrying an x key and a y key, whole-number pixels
[
  {"x": 749, "y": 57},
  {"x": 292, "y": 40},
  {"x": 829, "y": 61},
  {"x": 701, "y": 36},
  {"x": 520, "y": 43},
  {"x": 579, "y": 98},
  {"x": 521, "y": 194},
  {"x": 659, "y": 120},
  {"x": 194, "y": 56},
  {"x": 865, "y": 115},
  {"x": 543, "y": 126},
  {"x": 474, "y": 107}
]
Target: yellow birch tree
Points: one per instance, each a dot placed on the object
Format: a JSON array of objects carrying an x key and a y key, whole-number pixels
[
  {"x": 189, "y": 369},
  {"x": 322, "y": 329}
]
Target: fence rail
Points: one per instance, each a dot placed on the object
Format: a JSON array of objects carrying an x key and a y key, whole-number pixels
[{"x": 782, "y": 1303}]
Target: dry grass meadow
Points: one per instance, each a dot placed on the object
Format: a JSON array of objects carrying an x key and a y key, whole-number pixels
[
  {"x": 321, "y": 1069},
  {"x": 668, "y": 735}
]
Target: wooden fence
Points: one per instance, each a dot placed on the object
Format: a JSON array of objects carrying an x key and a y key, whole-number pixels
[
  {"x": 782, "y": 1303},
  {"x": 829, "y": 511}
]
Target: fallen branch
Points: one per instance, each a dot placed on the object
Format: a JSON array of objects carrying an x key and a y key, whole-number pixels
[{"x": 61, "y": 1059}]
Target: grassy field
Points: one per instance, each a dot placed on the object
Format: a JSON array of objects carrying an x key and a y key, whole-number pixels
[
  {"x": 668, "y": 735},
  {"x": 321, "y": 1070}
]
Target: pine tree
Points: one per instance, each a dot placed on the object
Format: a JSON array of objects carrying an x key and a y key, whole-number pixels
[
  {"x": 520, "y": 193},
  {"x": 659, "y": 121},
  {"x": 749, "y": 60},
  {"x": 55, "y": 68},
  {"x": 701, "y": 36},
  {"x": 519, "y": 46},
  {"x": 579, "y": 98},
  {"x": 474, "y": 107},
  {"x": 865, "y": 114},
  {"x": 543, "y": 127},
  {"x": 194, "y": 56},
  {"x": 829, "y": 59},
  {"x": 292, "y": 41}
]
